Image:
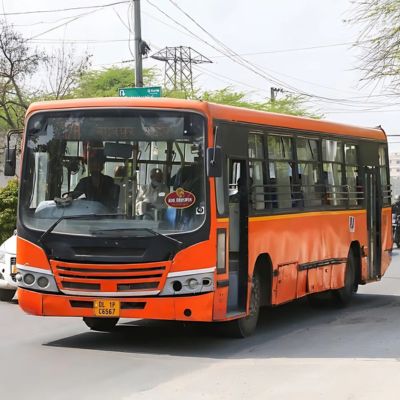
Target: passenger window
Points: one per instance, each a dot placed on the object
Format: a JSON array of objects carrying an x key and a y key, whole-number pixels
[
  {"x": 332, "y": 173},
  {"x": 384, "y": 176},
  {"x": 307, "y": 149},
  {"x": 354, "y": 188},
  {"x": 332, "y": 151},
  {"x": 256, "y": 148},
  {"x": 280, "y": 185},
  {"x": 281, "y": 177},
  {"x": 280, "y": 147},
  {"x": 333, "y": 178},
  {"x": 257, "y": 197},
  {"x": 311, "y": 188}
]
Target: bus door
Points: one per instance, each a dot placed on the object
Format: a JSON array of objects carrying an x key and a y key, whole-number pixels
[
  {"x": 374, "y": 211},
  {"x": 238, "y": 234}
]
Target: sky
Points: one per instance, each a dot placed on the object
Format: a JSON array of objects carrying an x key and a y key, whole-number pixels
[{"x": 301, "y": 46}]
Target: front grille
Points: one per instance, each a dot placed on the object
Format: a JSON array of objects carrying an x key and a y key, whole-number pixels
[
  {"x": 118, "y": 278},
  {"x": 81, "y": 286},
  {"x": 137, "y": 286}
]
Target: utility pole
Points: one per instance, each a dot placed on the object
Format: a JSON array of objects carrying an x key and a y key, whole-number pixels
[
  {"x": 138, "y": 45},
  {"x": 178, "y": 67},
  {"x": 275, "y": 90}
]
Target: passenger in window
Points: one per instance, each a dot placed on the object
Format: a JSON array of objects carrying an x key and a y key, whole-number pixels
[
  {"x": 150, "y": 199},
  {"x": 97, "y": 186}
]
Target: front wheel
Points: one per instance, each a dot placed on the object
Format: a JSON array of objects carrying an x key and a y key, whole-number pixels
[
  {"x": 6, "y": 294},
  {"x": 244, "y": 327},
  {"x": 101, "y": 324}
]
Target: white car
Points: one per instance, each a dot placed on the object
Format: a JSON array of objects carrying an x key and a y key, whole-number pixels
[{"x": 8, "y": 269}]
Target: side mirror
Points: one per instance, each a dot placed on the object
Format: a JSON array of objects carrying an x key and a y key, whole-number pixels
[
  {"x": 10, "y": 162},
  {"x": 214, "y": 162}
]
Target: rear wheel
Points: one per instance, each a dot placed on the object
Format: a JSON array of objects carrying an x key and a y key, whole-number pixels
[
  {"x": 243, "y": 327},
  {"x": 6, "y": 294},
  {"x": 343, "y": 296},
  {"x": 100, "y": 324}
]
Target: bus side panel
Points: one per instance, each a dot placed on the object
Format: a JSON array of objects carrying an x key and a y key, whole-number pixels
[
  {"x": 306, "y": 238},
  {"x": 387, "y": 238}
]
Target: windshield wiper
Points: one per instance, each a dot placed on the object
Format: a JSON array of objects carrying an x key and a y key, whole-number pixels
[
  {"x": 80, "y": 216},
  {"x": 178, "y": 243}
]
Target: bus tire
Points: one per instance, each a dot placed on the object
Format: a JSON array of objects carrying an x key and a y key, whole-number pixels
[
  {"x": 244, "y": 327},
  {"x": 6, "y": 294},
  {"x": 343, "y": 296},
  {"x": 101, "y": 324}
]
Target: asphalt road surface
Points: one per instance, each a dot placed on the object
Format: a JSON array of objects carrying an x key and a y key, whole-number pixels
[{"x": 297, "y": 352}]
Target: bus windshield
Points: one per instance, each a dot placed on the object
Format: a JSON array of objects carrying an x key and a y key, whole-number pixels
[{"x": 136, "y": 171}]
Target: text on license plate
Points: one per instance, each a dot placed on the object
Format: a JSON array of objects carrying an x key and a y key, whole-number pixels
[{"x": 106, "y": 308}]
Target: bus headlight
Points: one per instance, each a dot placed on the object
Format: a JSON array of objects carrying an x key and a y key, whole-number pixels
[
  {"x": 36, "y": 279},
  {"x": 189, "y": 282}
]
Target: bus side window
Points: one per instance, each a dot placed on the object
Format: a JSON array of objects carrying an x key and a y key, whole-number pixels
[
  {"x": 281, "y": 163},
  {"x": 352, "y": 175},
  {"x": 332, "y": 157},
  {"x": 311, "y": 189},
  {"x": 383, "y": 170}
]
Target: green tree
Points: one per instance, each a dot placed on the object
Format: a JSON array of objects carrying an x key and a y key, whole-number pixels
[
  {"x": 8, "y": 209},
  {"x": 106, "y": 82},
  {"x": 293, "y": 105},
  {"x": 379, "y": 39},
  {"x": 18, "y": 62}
]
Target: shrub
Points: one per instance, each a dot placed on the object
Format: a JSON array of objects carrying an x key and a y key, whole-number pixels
[{"x": 8, "y": 209}]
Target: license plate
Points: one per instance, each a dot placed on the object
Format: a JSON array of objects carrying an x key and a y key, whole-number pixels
[{"x": 106, "y": 308}]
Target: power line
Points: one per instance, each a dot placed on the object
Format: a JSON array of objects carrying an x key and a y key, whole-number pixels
[
  {"x": 294, "y": 49},
  {"x": 64, "y": 9},
  {"x": 64, "y": 23},
  {"x": 242, "y": 63},
  {"x": 46, "y": 22},
  {"x": 183, "y": 26},
  {"x": 261, "y": 72}
]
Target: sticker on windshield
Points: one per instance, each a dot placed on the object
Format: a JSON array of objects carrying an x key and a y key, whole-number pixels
[{"x": 181, "y": 198}]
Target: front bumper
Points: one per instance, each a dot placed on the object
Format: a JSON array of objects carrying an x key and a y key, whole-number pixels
[{"x": 167, "y": 308}]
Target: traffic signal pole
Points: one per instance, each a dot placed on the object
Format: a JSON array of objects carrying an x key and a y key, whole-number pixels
[{"x": 138, "y": 44}]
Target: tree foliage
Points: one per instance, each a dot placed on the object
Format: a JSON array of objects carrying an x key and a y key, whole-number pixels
[
  {"x": 379, "y": 39},
  {"x": 8, "y": 209},
  {"x": 293, "y": 105},
  {"x": 64, "y": 70},
  {"x": 17, "y": 62},
  {"x": 106, "y": 82},
  {"x": 20, "y": 68}
]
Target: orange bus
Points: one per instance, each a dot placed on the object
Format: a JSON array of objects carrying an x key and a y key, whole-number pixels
[{"x": 185, "y": 210}]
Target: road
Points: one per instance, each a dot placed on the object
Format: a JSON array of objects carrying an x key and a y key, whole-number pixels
[{"x": 297, "y": 352}]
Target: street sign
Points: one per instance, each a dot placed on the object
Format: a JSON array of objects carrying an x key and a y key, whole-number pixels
[{"x": 154, "y": 91}]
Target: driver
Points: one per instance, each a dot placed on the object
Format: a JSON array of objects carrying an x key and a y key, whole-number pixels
[{"x": 97, "y": 186}]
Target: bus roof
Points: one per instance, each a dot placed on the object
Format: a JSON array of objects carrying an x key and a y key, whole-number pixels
[{"x": 217, "y": 111}]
